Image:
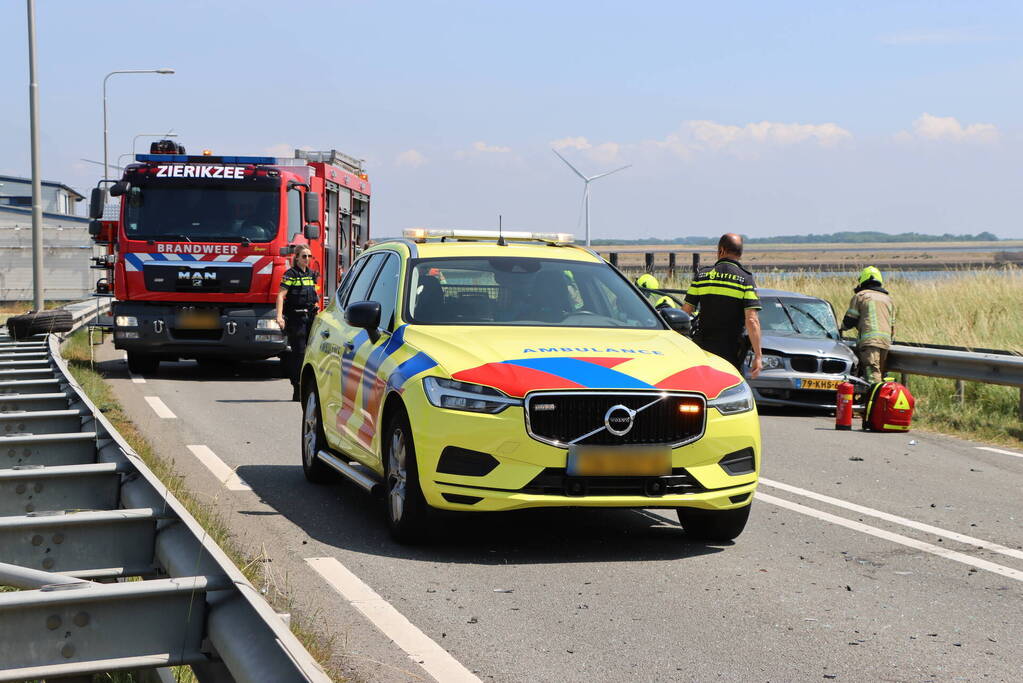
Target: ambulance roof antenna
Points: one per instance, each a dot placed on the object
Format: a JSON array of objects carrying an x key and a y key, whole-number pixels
[
  {"x": 500, "y": 235},
  {"x": 586, "y": 188}
]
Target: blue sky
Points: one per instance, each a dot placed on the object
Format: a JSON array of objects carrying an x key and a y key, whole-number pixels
[{"x": 762, "y": 118}]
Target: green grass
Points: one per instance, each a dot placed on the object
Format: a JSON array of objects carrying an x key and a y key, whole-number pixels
[
  {"x": 971, "y": 309},
  {"x": 77, "y": 352}
]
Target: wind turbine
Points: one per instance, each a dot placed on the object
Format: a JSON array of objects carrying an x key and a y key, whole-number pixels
[{"x": 586, "y": 188}]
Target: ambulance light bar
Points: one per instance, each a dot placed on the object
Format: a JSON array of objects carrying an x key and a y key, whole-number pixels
[
  {"x": 192, "y": 159},
  {"x": 422, "y": 234}
]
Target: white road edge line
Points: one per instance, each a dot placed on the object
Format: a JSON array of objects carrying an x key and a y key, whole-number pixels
[
  {"x": 895, "y": 538},
  {"x": 134, "y": 378},
  {"x": 437, "y": 661},
  {"x": 219, "y": 468},
  {"x": 159, "y": 407},
  {"x": 919, "y": 526},
  {"x": 998, "y": 450}
]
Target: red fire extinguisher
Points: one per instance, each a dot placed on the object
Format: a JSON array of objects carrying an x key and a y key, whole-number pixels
[{"x": 844, "y": 405}]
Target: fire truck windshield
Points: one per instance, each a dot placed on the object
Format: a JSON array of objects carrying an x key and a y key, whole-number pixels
[{"x": 201, "y": 214}]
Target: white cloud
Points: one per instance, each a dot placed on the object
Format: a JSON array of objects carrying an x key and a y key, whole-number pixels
[
  {"x": 931, "y": 127},
  {"x": 484, "y": 148},
  {"x": 579, "y": 143},
  {"x": 710, "y": 136},
  {"x": 411, "y": 158}
]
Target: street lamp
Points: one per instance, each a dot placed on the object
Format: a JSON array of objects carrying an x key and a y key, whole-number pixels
[{"x": 123, "y": 71}]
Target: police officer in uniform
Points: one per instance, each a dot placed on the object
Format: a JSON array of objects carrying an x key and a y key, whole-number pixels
[
  {"x": 726, "y": 296},
  {"x": 872, "y": 313},
  {"x": 296, "y": 308}
]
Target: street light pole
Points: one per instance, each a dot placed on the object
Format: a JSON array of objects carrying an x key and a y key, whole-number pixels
[
  {"x": 37, "y": 191},
  {"x": 106, "y": 174}
]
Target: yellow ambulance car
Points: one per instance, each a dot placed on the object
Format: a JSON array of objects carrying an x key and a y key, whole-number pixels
[{"x": 486, "y": 371}]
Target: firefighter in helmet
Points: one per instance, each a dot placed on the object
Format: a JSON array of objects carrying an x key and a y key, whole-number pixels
[
  {"x": 872, "y": 313},
  {"x": 647, "y": 281},
  {"x": 296, "y": 308}
]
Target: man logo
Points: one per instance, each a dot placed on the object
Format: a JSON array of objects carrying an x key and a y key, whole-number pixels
[
  {"x": 197, "y": 276},
  {"x": 619, "y": 419}
]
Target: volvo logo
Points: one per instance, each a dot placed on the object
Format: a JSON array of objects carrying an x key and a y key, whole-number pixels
[{"x": 619, "y": 419}]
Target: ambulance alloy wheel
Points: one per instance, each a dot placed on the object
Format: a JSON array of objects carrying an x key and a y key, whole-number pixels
[
  {"x": 713, "y": 525},
  {"x": 142, "y": 363},
  {"x": 313, "y": 440},
  {"x": 407, "y": 510}
]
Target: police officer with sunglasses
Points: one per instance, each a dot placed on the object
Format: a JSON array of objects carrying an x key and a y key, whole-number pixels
[{"x": 296, "y": 308}]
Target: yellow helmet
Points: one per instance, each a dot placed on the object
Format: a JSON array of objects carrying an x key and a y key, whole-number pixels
[
  {"x": 871, "y": 273},
  {"x": 647, "y": 281}
]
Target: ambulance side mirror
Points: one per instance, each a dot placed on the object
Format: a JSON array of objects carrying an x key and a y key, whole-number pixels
[
  {"x": 365, "y": 314},
  {"x": 96, "y": 202},
  {"x": 677, "y": 319}
]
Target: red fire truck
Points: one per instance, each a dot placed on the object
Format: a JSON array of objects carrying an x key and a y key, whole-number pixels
[{"x": 196, "y": 253}]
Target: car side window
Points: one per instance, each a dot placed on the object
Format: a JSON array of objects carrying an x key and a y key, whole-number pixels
[
  {"x": 385, "y": 290},
  {"x": 349, "y": 278},
  {"x": 364, "y": 280}
]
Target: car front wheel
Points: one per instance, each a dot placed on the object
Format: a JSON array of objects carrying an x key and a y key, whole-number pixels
[
  {"x": 406, "y": 507},
  {"x": 713, "y": 525},
  {"x": 313, "y": 440}
]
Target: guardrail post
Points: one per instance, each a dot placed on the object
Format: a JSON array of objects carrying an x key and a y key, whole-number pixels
[
  {"x": 696, "y": 263},
  {"x": 613, "y": 260},
  {"x": 649, "y": 257},
  {"x": 904, "y": 380},
  {"x": 960, "y": 391},
  {"x": 671, "y": 265},
  {"x": 1021, "y": 403}
]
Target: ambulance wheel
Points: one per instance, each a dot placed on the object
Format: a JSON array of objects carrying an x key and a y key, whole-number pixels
[
  {"x": 406, "y": 507},
  {"x": 142, "y": 363},
  {"x": 313, "y": 440},
  {"x": 713, "y": 525}
]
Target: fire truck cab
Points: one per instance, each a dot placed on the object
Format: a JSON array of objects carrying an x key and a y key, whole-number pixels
[{"x": 200, "y": 243}]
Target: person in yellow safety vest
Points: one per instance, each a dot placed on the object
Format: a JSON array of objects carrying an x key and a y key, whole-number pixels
[
  {"x": 648, "y": 281},
  {"x": 872, "y": 313}
]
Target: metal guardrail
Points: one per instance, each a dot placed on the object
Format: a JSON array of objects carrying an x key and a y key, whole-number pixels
[
  {"x": 972, "y": 366},
  {"x": 82, "y": 519}
]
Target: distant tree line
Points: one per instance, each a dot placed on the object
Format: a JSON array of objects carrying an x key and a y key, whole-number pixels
[{"x": 845, "y": 237}]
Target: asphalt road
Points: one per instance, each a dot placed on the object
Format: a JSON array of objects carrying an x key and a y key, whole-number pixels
[{"x": 868, "y": 557}]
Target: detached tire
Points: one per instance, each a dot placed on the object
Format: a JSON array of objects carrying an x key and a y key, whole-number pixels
[
  {"x": 313, "y": 440},
  {"x": 142, "y": 363},
  {"x": 407, "y": 511},
  {"x": 713, "y": 525},
  {"x": 41, "y": 322}
]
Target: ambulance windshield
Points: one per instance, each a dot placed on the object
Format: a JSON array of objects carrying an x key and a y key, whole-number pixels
[
  {"x": 524, "y": 291},
  {"x": 201, "y": 214}
]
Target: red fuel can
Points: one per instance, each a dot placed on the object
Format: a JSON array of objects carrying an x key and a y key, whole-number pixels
[{"x": 844, "y": 405}]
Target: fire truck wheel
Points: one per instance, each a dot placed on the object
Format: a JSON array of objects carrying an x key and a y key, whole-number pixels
[
  {"x": 42, "y": 322},
  {"x": 313, "y": 440},
  {"x": 142, "y": 363},
  {"x": 713, "y": 525}
]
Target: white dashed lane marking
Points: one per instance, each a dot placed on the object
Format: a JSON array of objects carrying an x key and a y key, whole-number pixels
[
  {"x": 437, "y": 661},
  {"x": 999, "y": 450},
  {"x": 219, "y": 468},
  {"x": 159, "y": 407}
]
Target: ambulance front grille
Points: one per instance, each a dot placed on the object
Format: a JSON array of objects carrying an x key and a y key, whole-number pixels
[{"x": 561, "y": 418}]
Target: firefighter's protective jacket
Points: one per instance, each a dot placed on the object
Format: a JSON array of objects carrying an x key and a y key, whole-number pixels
[{"x": 872, "y": 313}]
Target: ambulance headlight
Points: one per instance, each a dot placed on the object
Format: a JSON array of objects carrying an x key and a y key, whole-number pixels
[
  {"x": 475, "y": 398},
  {"x": 738, "y": 399},
  {"x": 267, "y": 324},
  {"x": 126, "y": 321}
]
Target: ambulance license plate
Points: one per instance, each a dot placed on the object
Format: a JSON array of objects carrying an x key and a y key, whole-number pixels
[
  {"x": 829, "y": 384},
  {"x": 619, "y": 461},
  {"x": 198, "y": 319}
]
